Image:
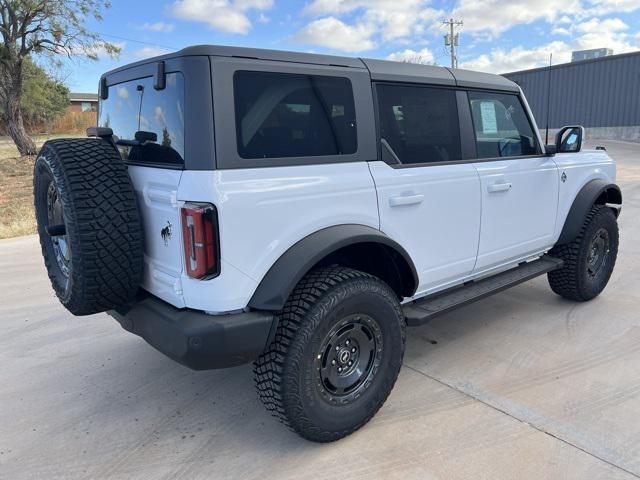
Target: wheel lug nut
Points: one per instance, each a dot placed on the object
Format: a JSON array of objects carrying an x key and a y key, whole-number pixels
[
  {"x": 340, "y": 369},
  {"x": 333, "y": 362},
  {"x": 337, "y": 347},
  {"x": 348, "y": 342},
  {"x": 350, "y": 363},
  {"x": 353, "y": 350}
]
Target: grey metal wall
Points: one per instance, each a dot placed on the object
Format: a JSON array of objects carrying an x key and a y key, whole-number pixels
[{"x": 603, "y": 92}]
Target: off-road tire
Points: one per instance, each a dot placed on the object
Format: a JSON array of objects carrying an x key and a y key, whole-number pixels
[
  {"x": 285, "y": 376},
  {"x": 573, "y": 281},
  {"x": 103, "y": 241}
]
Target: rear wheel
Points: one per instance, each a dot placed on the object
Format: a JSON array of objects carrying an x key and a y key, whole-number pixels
[
  {"x": 89, "y": 224},
  {"x": 589, "y": 259},
  {"x": 336, "y": 355}
]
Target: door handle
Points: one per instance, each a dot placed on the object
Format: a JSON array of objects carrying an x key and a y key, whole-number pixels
[
  {"x": 499, "y": 187},
  {"x": 409, "y": 199}
]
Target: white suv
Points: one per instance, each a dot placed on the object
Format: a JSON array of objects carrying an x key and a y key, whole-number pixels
[{"x": 299, "y": 210}]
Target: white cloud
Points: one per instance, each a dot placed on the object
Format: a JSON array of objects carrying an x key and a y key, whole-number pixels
[
  {"x": 159, "y": 116},
  {"x": 98, "y": 52},
  {"x": 123, "y": 92},
  {"x": 609, "y": 33},
  {"x": 519, "y": 58},
  {"x": 497, "y": 16},
  {"x": 560, "y": 31},
  {"x": 596, "y": 25},
  {"x": 412, "y": 56},
  {"x": 147, "y": 52},
  {"x": 331, "y": 32},
  {"x": 157, "y": 27},
  {"x": 407, "y": 22},
  {"x": 601, "y": 7},
  {"x": 592, "y": 33},
  {"x": 230, "y": 16},
  {"x": 144, "y": 123},
  {"x": 370, "y": 22}
]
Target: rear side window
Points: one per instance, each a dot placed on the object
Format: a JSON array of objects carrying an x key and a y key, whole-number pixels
[
  {"x": 420, "y": 124},
  {"x": 501, "y": 125},
  {"x": 152, "y": 119},
  {"x": 282, "y": 115}
]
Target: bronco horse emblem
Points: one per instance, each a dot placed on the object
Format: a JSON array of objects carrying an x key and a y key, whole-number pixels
[{"x": 165, "y": 233}]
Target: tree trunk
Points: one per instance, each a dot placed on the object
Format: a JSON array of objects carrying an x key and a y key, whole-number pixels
[
  {"x": 15, "y": 127},
  {"x": 12, "y": 115}
]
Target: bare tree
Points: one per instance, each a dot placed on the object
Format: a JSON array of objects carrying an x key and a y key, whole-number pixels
[
  {"x": 419, "y": 59},
  {"x": 46, "y": 27}
]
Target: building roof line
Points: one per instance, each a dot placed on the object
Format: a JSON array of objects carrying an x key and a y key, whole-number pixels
[
  {"x": 576, "y": 63},
  {"x": 86, "y": 97}
]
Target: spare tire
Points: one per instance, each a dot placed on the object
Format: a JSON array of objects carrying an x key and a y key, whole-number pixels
[{"x": 89, "y": 224}]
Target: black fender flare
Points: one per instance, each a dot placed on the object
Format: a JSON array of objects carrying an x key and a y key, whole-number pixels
[
  {"x": 278, "y": 283},
  {"x": 595, "y": 191}
]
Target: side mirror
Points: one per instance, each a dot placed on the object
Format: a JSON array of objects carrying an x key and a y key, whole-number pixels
[
  {"x": 569, "y": 139},
  {"x": 550, "y": 150},
  {"x": 143, "y": 137}
]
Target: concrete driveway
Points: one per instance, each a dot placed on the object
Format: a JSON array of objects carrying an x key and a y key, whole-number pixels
[{"x": 520, "y": 385}]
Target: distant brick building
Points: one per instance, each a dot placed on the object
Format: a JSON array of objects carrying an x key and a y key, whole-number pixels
[
  {"x": 82, "y": 112},
  {"x": 83, "y": 102}
]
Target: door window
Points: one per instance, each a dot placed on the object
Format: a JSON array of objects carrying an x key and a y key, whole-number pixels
[
  {"x": 420, "y": 124},
  {"x": 281, "y": 115},
  {"x": 501, "y": 126}
]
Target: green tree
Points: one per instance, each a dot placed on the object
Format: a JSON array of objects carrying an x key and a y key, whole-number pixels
[
  {"x": 41, "y": 27},
  {"x": 166, "y": 138},
  {"x": 44, "y": 98}
]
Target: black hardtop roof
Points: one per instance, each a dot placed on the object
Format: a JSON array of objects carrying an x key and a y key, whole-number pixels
[{"x": 380, "y": 70}]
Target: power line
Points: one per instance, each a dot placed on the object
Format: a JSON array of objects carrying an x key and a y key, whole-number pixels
[
  {"x": 451, "y": 39},
  {"x": 136, "y": 41}
]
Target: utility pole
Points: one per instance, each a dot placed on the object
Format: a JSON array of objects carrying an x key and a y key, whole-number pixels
[{"x": 451, "y": 39}]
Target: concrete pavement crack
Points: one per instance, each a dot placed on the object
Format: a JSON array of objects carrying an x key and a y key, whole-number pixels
[{"x": 539, "y": 428}]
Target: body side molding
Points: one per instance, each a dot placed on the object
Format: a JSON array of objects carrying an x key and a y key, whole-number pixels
[{"x": 288, "y": 270}]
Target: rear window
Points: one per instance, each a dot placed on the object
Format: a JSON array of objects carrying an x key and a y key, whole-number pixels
[
  {"x": 152, "y": 119},
  {"x": 281, "y": 115}
]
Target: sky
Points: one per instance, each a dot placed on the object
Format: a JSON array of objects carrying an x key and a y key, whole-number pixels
[{"x": 498, "y": 36}]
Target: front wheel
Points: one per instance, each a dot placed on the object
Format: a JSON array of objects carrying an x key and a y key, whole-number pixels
[
  {"x": 589, "y": 259},
  {"x": 336, "y": 355}
]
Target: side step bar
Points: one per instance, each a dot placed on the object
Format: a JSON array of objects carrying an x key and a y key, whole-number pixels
[{"x": 421, "y": 311}]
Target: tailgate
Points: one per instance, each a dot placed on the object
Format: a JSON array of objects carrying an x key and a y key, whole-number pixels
[{"x": 156, "y": 190}]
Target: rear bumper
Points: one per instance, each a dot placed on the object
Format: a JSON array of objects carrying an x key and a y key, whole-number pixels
[{"x": 195, "y": 339}]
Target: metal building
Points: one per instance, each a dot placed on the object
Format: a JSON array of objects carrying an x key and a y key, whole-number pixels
[
  {"x": 601, "y": 94},
  {"x": 590, "y": 54}
]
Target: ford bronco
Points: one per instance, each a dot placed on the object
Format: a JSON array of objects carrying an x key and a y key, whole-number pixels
[{"x": 298, "y": 211}]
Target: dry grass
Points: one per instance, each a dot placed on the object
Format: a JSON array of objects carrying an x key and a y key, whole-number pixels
[
  {"x": 16, "y": 189},
  {"x": 16, "y": 198}
]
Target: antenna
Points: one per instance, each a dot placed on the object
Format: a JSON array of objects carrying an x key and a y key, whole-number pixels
[{"x": 546, "y": 137}]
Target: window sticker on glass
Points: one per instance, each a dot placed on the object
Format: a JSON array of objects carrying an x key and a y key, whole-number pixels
[{"x": 488, "y": 115}]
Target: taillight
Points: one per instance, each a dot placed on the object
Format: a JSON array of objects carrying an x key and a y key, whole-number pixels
[{"x": 200, "y": 238}]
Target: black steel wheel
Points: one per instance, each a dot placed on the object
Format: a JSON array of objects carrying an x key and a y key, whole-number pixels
[
  {"x": 336, "y": 354},
  {"x": 589, "y": 259},
  {"x": 349, "y": 358},
  {"x": 598, "y": 253},
  {"x": 59, "y": 242}
]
